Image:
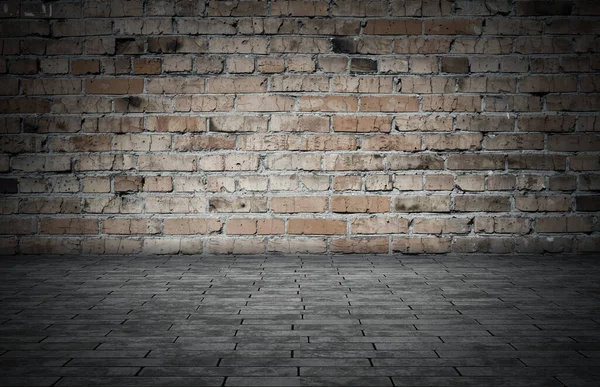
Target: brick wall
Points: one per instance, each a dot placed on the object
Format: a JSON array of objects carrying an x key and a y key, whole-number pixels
[{"x": 214, "y": 127}]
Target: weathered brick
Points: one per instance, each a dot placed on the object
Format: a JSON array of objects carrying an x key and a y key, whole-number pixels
[
  {"x": 350, "y": 204},
  {"x": 299, "y": 204},
  {"x": 316, "y": 226},
  {"x": 422, "y": 204},
  {"x": 191, "y": 226},
  {"x": 297, "y": 245},
  {"x": 421, "y": 245},
  {"x": 564, "y": 224},
  {"x": 369, "y": 245},
  {"x": 362, "y": 124},
  {"x": 543, "y": 203},
  {"x": 502, "y": 225},
  {"x": 442, "y": 226},
  {"x": 353, "y": 162},
  {"x": 379, "y": 225}
]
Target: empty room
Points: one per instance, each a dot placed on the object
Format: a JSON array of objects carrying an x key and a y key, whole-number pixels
[{"x": 300, "y": 193}]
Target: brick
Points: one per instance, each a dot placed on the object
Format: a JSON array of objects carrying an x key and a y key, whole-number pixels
[
  {"x": 422, "y": 204},
  {"x": 299, "y": 83},
  {"x": 85, "y": 66},
  {"x": 47, "y": 205},
  {"x": 328, "y": 142},
  {"x": 87, "y": 143},
  {"x": 537, "y": 162},
  {"x": 238, "y": 65},
  {"x": 60, "y": 246},
  {"x": 292, "y": 44},
  {"x": 475, "y": 203},
  {"x": 175, "y": 124},
  {"x": 445, "y": 103},
  {"x": 396, "y": 142},
  {"x": 460, "y": 26},
  {"x": 514, "y": 141},
  {"x": 470, "y": 182},
  {"x": 421, "y": 245},
  {"x": 353, "y": 162},
  {"x": 442, "y": 226},
  {"x": 128, "y": 183},
  {"x": 205, "y": 142},
  {"x": 16, "y": 226},
  {"x": 430, "y": 122},
  {"x": 175, "y": 204},
  {"x": 414, "y": 162},
  {"x": 147, "y": 66},
  {"x": 297, "y": 245},
  {"x": 389, "y": 104},
  {"x": 587, "y": 182},
  {"x": 190, "y": 184},
  {"x": 158, "y": 184},
  {"x": 573, "y": 143},
  {"x": 99, "y": 162},
  {"x": 175, "y": 85},
  {"x": 264, "y": 103},
  {"x": 43, "y": 86},
  {"x": 354, "y": 204},
  {"x": 502, "y": 225},
  {"x": 455, "y": 65},
  {"x": 298, "y": 123},
  {"x": 237, "y": 85},
  {"x": 484, "y": 245},
  {"x": 564, "y": 224},
  {"x": 475, "y": 162},
  {"x": 379, "y": 225},
  {"x": 344, "y": 183},
  {"x": 362, "y": 124},
  {"x": 543, "y": 8},
  {"x": 177, "y": 44},
  {"x": 270, "y": 65},
  {"x": 253, "y": 183},
  {"x": 237, "y": 8},
  {"x": 453, "y": 141},
  {"x": 299, "y": 204},
  {"x": 114, "y": 85},
  {"x": 392, "y": 27},
  {"x": 378, "y": 183},
  {"x": 141, "y": 142},
  {"x": 9, "y": 186},
  {"x": 422, "y": 45},
  {"x": 328, "y": 104},
  {"x": 408, "y": 182},
  {"x": 191, "y": 226},
  {"x": 543, "y": 203},
  {"x": 562, "y": 183},
  {"x": 362, "y": 65},
  {"x": 41, "y": 163},
  {"x": 314, "y": 226},
  {"x": 585, "y": 203},
  {"x": 301, "y": 64},
  {"x": 229, "y": 162},
  {"x": 306, "y": 162},
  {"x": 283, "y": 182},
  {"x": 238, "y": 45},
  {"x": 439, "y": 182},
  {"x": 177, "y": 64},
  {"x": 359, "y": 8},
  {"x": 375, "y": 245},
  {"x": 167, "y": 162}
]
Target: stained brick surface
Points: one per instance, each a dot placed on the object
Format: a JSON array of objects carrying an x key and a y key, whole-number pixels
[{"x": 299, "y": 126}]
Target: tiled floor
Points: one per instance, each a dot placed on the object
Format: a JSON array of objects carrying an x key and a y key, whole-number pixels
[{"x": 300, "y": 321}]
